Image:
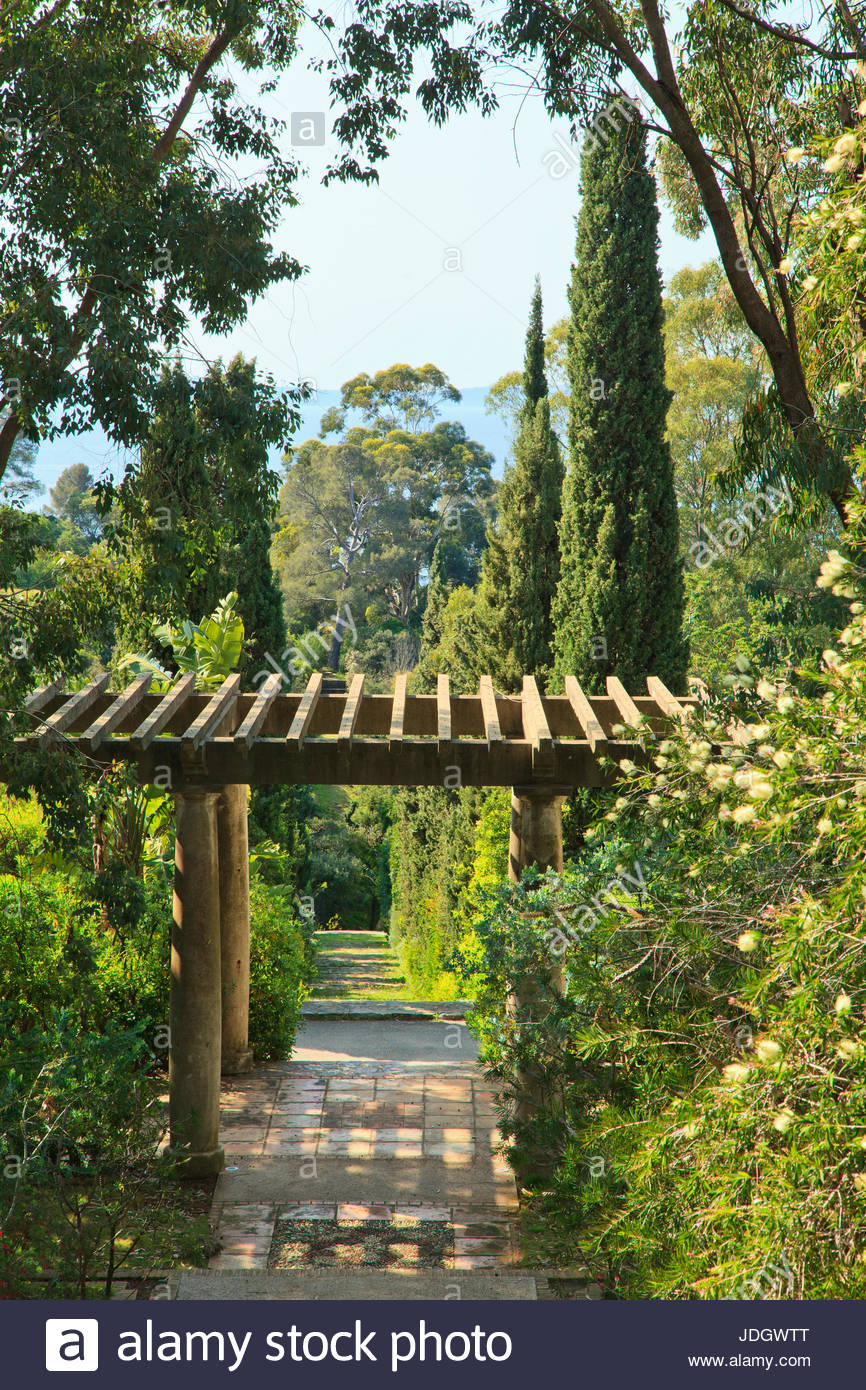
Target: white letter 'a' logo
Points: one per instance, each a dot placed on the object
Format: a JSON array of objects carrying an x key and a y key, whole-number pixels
[{"x": 71, "y": 1344}]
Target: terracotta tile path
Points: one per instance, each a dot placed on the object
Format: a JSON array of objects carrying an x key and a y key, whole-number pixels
[{"x": 368, "y": 1122}]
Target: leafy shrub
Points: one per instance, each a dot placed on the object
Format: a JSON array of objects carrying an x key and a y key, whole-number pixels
[
  {"x": 432, "y": 850},
  {"x": 83, "y": 1186},
  {"x": 699, "y": 1047},
  {"x": 57, "y": 954},
  {"x": 22, "y": 833},
  {"x": 282, "y": 952}
]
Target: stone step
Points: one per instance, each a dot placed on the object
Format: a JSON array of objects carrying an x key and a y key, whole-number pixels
[
  {"x": 386, "y": 1008},
  {"x": 438, "y": 1285}
]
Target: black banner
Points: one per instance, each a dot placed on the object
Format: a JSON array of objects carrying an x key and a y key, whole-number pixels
[{"x": 400, "y": 1344}]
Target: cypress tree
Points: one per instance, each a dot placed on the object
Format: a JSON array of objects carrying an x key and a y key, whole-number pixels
[
  {"x": 520, "y": 570},
  {"x": 437, "y": 598},
  {"x": 619, "y": 606}
]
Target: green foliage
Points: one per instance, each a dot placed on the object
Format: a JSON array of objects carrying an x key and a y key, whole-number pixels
[
  {"x": 210, "y": 649},
  {"x": 431, "y": 860},
  {"x": 277, "y": 815},
  {"x": 711, "y": 372},
  {"x": 56, "y": 954},
  {"x": 369, "y": 509},
  {"x": 281, "y": 965},
  {"x": 619, "y": 605},
  {"x": 347, "y": 870},
  {"x": 75, "y": 504},
  {"x": 521, "y": 565},
  {"x": 130, "y": 216},
  {"x": 697, "y": 1031},
  {"x": 761, "y": 604},
  {"x": 196, "y": 509},
  {"x": 398, "y": 398},
  {"x": 457, "y": 651},
  {"x": 83, "y": 1187}
]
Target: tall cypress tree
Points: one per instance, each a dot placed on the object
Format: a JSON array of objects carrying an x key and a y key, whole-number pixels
[
  {"x": 619, "y": 606},
  {"x": 521, "y": 563},
  {"x": 424, "y": 680}
]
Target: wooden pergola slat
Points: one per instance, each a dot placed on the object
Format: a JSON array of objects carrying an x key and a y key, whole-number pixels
[
  {"x": 305, "y": 711},
  {"x": 170, "y": 704},
  {"x": 667, "y": 703},
  {"x": 213, "y": 714},
  {"x": 586, "y": 716},
  {"x": 246, "y": 734},
  {"x": 77, "y": 705},
  {"x": 443, "y": 711},
  {"x": 623, "y": 701},
  {"x": 535, "y": 725},
  {"x": 38, "y": 699},
  {"x": 127, "y": 701},
  {"x": 492, "y": 728},
  {"x": 398, "y": 712},
  {"x": 352, "y": 710}
]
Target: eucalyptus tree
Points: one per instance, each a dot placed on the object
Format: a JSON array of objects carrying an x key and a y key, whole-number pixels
[
  {"x": 122, "y": 216},
  {"x": 367, "y": 511}
]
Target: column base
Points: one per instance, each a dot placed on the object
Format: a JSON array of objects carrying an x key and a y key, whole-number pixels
[
  {"x": 236, "y": 1063},
  {"x": 198, "y": 1165}
]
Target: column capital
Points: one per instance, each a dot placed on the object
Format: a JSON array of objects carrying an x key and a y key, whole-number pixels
[
  {"x": 542, "y": 791},
  {"x": 195, "y": 790}
]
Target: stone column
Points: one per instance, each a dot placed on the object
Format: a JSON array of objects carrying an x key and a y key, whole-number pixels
[
  {"x": 194, "y": 1065},
  {"x": 234, "y": 891},
  {"x": 536, "y": 829},
  {"x": 536, "y": 838}
]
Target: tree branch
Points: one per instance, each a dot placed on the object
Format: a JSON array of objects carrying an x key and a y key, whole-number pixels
[
  {"x": 82, "y": 320},
  {"x": 789, "y": 35}
]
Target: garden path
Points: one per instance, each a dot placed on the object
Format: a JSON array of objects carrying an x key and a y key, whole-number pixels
[{"x": 367, "y": 1166}]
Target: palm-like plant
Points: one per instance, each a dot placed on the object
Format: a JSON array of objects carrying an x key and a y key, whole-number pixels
[{"x": 210, "y": 649}]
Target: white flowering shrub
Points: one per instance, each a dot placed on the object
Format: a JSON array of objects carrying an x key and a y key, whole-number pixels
[{"x": 762, "y": 1156}]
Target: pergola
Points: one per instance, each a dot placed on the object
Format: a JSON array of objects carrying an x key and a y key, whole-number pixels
[{"x": 207, "y": 748}]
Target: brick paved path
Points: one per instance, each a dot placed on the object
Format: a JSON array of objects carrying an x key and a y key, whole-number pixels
[{"x": 375, "y": 1118}]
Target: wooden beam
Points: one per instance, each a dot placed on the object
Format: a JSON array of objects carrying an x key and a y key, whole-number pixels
[
  {"x": 398, "y": 712},
  {"x": 257, "y": 715},
  {"x": 351, "y": 710},
  {"x": 443, "y": 711},
  {"x": 273, "y": 761},
  {"x": 38, "y": 699},
  {"x": 168, "y": 707},
  {"x": 489, "y": 712},
  {"x": 586, "y": 716},
  {"x": 305, "y": 711},
  {"x": 535, "y": 725},
  {"x": 212, "y": 715},
  {"x": 623, "y": 701},
  {"x": 667, "y": 703},
  {"x": 73, "y": 708},
  {"x": 123, "y": 706}
]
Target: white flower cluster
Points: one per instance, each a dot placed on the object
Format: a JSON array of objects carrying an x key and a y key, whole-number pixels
[{"x": 834, "y": 570}]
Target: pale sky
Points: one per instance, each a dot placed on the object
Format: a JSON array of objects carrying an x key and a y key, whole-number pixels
[{"x": 434, "y": 264}]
